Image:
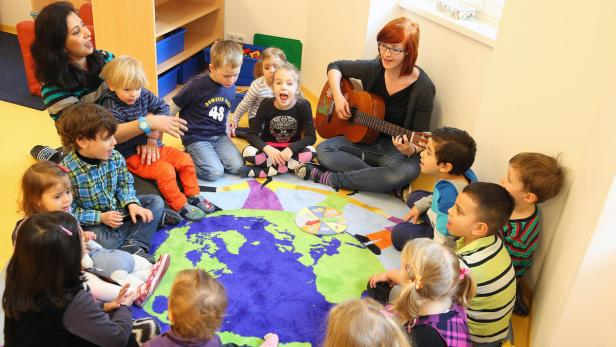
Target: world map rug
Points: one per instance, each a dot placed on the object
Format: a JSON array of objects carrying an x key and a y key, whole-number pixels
[{"x": 282, "y": 270}]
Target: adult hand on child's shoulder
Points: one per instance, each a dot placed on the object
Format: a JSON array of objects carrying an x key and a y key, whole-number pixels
[
  {"x": 135, "y": 210},
  {"x": 112, "y": 218}
]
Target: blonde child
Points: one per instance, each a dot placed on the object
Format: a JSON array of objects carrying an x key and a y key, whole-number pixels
[
  {"x": 434, "y": 291},
  {"x": 197, "y": 305},
  {"x": 532, "y": 178},
  {"x": 45, "y": 188},
  {"x": 262, "y": 87},
  {"x": 129, "y": 100},
  {"x": 282, "y": 133},
  {"x": 205, "y": 103},
  {"x": 363, "y": 322}
]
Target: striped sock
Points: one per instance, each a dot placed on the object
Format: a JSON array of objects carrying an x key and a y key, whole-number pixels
[{"x": 326, "y": 178}]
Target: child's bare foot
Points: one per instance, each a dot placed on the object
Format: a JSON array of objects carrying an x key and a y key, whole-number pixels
[{"x": 270, "y": 340}]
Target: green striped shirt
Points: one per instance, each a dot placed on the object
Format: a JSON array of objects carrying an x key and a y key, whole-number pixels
[{"x": 490, "y": 310}]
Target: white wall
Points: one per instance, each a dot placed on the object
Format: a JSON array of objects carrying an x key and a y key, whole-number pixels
[
  {"x": 548, "y": 89},
  {"x": 271, "y": 17},
  {"x": 458, "y": 66},
  {"x": 14, "y": 11},
  {"x": 379, "y": 13},
  {"x": 330, "y": 36}
]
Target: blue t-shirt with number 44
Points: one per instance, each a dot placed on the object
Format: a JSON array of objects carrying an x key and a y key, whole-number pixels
[{"x": 205, "y": 106}]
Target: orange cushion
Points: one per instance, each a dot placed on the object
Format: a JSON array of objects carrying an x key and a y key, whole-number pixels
[{"x": 25, "y": 35}]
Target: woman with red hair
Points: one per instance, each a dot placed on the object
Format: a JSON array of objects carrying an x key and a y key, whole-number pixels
[{"x": 388, "y": 163}]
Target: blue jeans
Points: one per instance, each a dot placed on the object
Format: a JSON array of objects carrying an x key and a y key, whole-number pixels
[
  {"x": 106, "y": 261},
  {"x": 376, "y": 167},
  {"x": 214, "y": 157},
  {"x": 139, "y": 233}
]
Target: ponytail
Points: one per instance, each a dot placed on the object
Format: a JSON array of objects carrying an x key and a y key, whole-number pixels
[
  {"x": 408, "y": 303},
  {"x": 466, "y": 289}
]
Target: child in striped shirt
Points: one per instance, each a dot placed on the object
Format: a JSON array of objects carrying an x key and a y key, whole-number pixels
[
  {"x": 532, "y": 178},
  {"x": 262, "y": 87},
  {"x": 477, "y": 215}
]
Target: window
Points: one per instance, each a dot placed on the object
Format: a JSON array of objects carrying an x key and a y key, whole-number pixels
[{"x": 483, "y": 28}]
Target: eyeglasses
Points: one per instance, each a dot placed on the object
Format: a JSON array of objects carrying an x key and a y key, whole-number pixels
[{"x": 395, "y": 51}]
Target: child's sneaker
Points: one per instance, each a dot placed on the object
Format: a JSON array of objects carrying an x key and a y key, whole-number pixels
[
  {"x": 136, "y": 250},
  {"x": 192, "y": 213},
  {"x": 270, "y": 340},
  {"x": 170, "y": 217},
  {"x": 204, "y": 204},
  {"x": 156, "y": 275}
]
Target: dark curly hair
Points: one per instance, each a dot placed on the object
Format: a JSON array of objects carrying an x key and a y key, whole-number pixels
[{"x": 52, "y": 63}]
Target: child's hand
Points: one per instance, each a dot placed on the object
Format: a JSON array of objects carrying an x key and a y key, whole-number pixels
[
  {"x": 413, "y": 215},
  {"x": 287, "y": 153},
  {"x": 174, "y": 126},
  {"x": 274, "y": 154},
  {"x": 135, "y": 210},
  {"x": 375, "y": 279},
  {"x": 154, "y": 135},
  {"x": 126, "y": 296},
  {"x": 88, "y": 236},
  {"x": 112, "y": 219}
]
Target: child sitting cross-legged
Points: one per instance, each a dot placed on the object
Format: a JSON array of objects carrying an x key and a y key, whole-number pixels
[
  {"x": 129, "y": 100},
  {"x": 431, "y": 292},
  {"x": 282, "y": 133},
  {"x": 104, "y": 197},
  {"x": 197, "y": 305},
  {"x": 449, "y": 156},
  {"x": 532, "y": 178},
  {"x": 205, "y": 102},
  {"x": 479, "y": 212}
]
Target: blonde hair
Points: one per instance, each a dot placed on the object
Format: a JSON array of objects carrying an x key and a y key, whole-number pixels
[
  {"x": 434, "y": 272},
  {"x": 298, "y": 77},
  {"x": 124, "y": 72},
  {"x": 36, "y": 180},
  {"x": 268, "y": 53},
  {"x": 226, "y": 52},
  {"x": 197, "y": 304},
  {"x": 363, "y": 323}
]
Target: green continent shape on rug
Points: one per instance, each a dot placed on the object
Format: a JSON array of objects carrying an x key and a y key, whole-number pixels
[{"x": 338, "y": 274}]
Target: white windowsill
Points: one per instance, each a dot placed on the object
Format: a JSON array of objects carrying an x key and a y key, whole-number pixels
[{"x": 476, "y": 29}]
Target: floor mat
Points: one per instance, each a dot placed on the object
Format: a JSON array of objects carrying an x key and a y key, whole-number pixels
[
  {"x": 13, "y": 84},
  {"x": 278, "y": 278}
]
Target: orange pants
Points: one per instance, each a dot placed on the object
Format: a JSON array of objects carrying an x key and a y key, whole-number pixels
[{"x": 163, "y": 172}]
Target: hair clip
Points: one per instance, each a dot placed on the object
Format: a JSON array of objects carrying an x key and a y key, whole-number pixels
[
  {"x": 418, "y": 282},
  {"x": 62, "y": 167},
  {"x": 68, "y": 232},
  {"x": 463, "y": 272}
]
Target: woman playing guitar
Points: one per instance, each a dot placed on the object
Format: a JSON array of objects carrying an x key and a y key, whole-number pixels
[{"x": 388, "y": 163}]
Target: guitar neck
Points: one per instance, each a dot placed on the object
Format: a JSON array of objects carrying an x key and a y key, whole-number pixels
[{"x": 380, "y": 125}]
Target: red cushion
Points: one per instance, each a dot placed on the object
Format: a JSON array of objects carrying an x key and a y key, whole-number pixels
[{"x": 25, "y": 35}]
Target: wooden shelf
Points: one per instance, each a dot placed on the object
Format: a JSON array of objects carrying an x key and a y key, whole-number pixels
[
  {"x": 174, "y": 14},
  {"x": 193, "y": 43}
]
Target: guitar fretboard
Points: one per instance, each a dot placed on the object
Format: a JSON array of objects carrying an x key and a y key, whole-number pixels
[{"x": 379, "y": 125}]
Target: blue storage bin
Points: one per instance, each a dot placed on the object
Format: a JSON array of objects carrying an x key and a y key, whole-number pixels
[
  {"x": 238, "y": 99},
  {"x": 167, "y": 81},
  {"x": 247, "y": 72},
  {"x": 171, "y": 45},
  {"x": 191, "y": 67}
]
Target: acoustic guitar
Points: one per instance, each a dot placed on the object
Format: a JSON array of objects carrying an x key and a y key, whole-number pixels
[{"x": 367, "y": 117}]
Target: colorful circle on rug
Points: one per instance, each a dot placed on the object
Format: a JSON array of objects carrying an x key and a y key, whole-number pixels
[{"x": 321, "y": 220}]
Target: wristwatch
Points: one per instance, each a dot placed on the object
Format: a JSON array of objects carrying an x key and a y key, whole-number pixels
[{"x": 144, "y": 125}]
